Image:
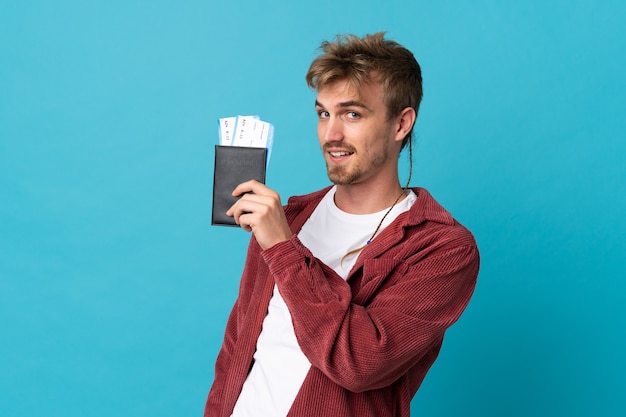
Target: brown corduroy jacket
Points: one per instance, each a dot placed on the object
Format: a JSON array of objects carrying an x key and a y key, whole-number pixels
[{"x": 372, "y": 338}]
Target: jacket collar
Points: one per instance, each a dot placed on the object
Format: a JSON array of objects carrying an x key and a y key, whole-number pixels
[{"x": 425, "y": 208}]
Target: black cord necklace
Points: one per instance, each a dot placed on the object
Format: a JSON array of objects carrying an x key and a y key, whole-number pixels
[{"x": 401, "y": 194}]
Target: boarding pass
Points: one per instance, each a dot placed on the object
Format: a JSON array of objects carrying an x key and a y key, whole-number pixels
[{"x": 247, "y": 131}]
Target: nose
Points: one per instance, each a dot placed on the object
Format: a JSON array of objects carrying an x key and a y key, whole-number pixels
[{"x": 330, "y": 129}]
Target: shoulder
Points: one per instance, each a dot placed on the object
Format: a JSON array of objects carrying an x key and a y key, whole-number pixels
[{"x": 429, "y": 221}]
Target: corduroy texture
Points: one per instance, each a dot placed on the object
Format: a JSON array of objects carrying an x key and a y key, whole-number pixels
[{"x": 370, "y": 339}]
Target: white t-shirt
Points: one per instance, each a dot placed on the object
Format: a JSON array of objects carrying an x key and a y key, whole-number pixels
[{"x": 280, "y": 366}]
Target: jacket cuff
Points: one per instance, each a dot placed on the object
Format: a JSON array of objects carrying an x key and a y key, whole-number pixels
[{"x": 285, "y": 254}]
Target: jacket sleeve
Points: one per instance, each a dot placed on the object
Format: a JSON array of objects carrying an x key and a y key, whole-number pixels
[
  {"x": 369, "y": 345},
  {"x": 228, "y": 364},
  {"x": 215, "y": 398}
]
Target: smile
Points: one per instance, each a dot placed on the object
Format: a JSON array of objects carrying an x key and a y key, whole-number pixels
[{"x": 338, "y": 154}]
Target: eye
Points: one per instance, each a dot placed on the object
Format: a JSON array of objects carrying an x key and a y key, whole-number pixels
[
  {"x": 353, "y": 115},
  {"x": 323, "y": 114}
]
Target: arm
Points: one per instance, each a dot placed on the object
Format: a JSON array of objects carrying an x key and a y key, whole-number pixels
[
  {"x": 215, "y": 398},
  {"x": 234, "y": 357},
  {"x": 258, "y": 210},
  {"x": 368, "y": 345}
]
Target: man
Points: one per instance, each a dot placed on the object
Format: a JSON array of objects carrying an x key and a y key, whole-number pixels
[{"x": 346, "y": 292}]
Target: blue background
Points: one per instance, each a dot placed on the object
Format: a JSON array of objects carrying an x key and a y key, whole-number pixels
[{"x": 115, "y": 288}]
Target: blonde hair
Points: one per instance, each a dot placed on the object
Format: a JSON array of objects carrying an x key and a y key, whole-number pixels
[{"x": 367, "y": 59}]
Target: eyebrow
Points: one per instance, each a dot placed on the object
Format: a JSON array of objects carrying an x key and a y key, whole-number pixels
[{"x": 351, "y": 103}]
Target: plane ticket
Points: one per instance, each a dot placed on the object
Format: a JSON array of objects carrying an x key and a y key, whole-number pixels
[{"x": 247, "y": 131}]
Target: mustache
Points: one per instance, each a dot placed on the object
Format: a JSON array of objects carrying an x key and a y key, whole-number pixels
[{"x": 338, "y": 146}]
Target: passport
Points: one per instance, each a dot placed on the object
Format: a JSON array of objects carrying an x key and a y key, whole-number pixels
[{"x": 234, "y": 165}]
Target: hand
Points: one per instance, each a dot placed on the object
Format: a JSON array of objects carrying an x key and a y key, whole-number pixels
[{"x": 259, "y": 210}]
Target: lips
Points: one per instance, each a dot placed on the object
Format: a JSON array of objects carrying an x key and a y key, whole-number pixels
[
  {"x": 338, "y": 151},
  {"x": 339, "y": 154}
]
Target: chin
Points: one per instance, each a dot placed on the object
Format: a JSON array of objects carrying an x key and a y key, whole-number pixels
[
  {"x": 343, "y": 179},
  {"x": 339, "y": 175}
]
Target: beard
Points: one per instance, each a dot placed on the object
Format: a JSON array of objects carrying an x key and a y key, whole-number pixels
[
  {"x": 342, "y": 176},
  {"x": 358, "y": 169}
]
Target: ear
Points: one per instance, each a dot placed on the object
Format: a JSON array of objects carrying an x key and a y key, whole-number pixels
[{"x": 405, "y": 122}]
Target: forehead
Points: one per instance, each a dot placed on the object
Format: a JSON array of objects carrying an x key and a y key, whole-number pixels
[
  {"x": 339, "y": 88},
  {"x": 341, "y": 91}
]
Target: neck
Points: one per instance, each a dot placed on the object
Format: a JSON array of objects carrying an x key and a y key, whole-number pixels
[{"x": 365, "y": 199}]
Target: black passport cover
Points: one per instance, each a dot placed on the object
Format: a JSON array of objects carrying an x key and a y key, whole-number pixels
[{"x": 234, "y": 165}]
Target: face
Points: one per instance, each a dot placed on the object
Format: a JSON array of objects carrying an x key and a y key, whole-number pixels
[{"x": 358, "y": 141}]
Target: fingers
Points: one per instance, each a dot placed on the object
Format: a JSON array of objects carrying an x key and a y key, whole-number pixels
[
  {"x": 250, "y": 203},
  {"x": 255, "y": 198},
  {"x": 255, "y": 187},
  {"x": 259, "y": 210}
]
